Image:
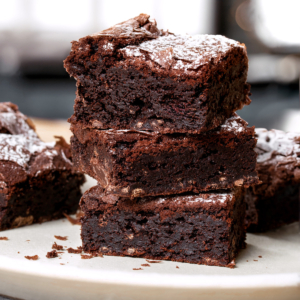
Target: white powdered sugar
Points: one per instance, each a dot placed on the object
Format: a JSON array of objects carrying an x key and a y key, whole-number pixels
[
  {"x": 277, "y": 142},
  {"x": 19, "y": 148},
  {"x": 184, "y": 51},
  {"x": 233, "y": 124},
  {"x": 15, "y": 123}
]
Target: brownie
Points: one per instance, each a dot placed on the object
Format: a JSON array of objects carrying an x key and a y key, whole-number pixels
[
  {"x": 131, "y": 163},
  {"x": 135, "y": 76},
  {"x": 275, "y": 202},
  {"x": 205, "y": 228},
  {"x": 37, "y": 180}
]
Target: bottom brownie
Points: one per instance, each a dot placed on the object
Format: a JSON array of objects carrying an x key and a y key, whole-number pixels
[
  {"x": 266, "y": 213},
  {"x": 43, "y": 198},
  {"x": 205, "y": 229}
]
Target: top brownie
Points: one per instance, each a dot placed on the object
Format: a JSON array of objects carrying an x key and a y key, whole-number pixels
[
  {"x": 135, "y": 76},
  {"x": 278, "y": 160}
]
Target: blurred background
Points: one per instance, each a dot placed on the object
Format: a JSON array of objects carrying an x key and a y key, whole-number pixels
[{"x": 35, "y": 38}]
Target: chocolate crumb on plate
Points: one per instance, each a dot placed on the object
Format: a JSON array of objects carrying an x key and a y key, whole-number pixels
[
  {"x": 76, "y": 251},
  {"x": 62, "y": 238},
  {"x": 255, "y": 260},
  {"x": 145, "y": 265},
  {"x": 84, "y": 256},
  {"x": 153, "y": 261},
  {"x": 73, "y": 221},
  {"x": 61, "y": 264},
  {"x": 3, "y": 238},
  {"x": 34, "y": 257},
  {"x": 57, "y": 247},
  {"x": 52, "y": 254},
  {"x": 177, "y": 267},
  {"x": 136, "y": 269},
  {"x": 259, "y": 256}
]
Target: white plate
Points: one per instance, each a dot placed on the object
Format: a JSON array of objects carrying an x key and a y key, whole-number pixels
[{"x": 274, "y": 276}]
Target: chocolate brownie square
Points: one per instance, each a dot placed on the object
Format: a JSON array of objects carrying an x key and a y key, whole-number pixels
[
  {"x": 139, "y": 163},
  {"x": 135, "y": 76},
  {"x": 205, "y": 228},
  {"x": 275, "y": 202},
  {"x": 37, "y": 180}
]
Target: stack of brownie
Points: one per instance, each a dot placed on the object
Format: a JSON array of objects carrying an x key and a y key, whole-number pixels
[{"x": 155, "y": 125}]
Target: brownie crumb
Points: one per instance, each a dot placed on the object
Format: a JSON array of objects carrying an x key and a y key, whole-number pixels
[
  {"x": 62, "y": 238},
  {"x": 60, "y": 252},
  {"x": 34, "y": 257},
  {"x": 27, "y": 240},
  {"x": 153, "y": 261},
  {"x": 247, "y": 260},
  {"x": 255, "y": 260},
  {"x": 76, "y": 251},
  {"x": 72, "y": 220},
  {"x": 177, "y": 267},
  {"x": 61, "y": 264},
  {"x": 93, "y": 253},
  {"x": 136, "y": 269},
  {"x": 3, "y": 238},
  {"x": 52, "y": 254},
  {"x": 259, "y": 256},
  {"x": 18, "y": 252},
  {"x": 57, "y": 247},
  {"x": 83, "y": 256},
  {"x": 145, "y": 265}
]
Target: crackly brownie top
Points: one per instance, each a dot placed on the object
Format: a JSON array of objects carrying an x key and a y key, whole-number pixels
[
  {"x": 278, "y": 160},
  {"x": 12, "y": 121},
  {"x": 183, "y": 52},
  {"x": 22, "y": 153},
  {"x": 138, "y": 26},
  {"x": 277, "y": 144},
  {"x": 95, "y": 199}
]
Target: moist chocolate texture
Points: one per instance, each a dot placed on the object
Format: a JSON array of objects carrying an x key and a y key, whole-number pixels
[
  {"x": 203, "y": 229},
  {"x": 138, "y": 163},
  {"x": 37, "y": 180},
  {"x": 275, "y": 201},
  {"x": 135, "y": 76}
]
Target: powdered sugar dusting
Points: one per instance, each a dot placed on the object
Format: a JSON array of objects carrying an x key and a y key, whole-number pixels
[
  {"x": 277, "y": 142},
  {"x": 19, "y": 148},
  {"x": 15, "y": 123},
  {"x": 188, "y": 52},
  {"x": 233, "y": 124}
]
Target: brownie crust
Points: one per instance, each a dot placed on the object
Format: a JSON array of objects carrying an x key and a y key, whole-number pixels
[
  {"x": 275, "y": 201},
  {"x": 137, "y": 163},
  {"x": 202, "y": 229},
  {"x": 131, "y": 78}
]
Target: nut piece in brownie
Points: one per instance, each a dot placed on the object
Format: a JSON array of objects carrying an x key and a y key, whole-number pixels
[
  {"x": 139, "y": 163},
  {"x": 37, "y": 180},
  {"x": 205, "y": 228},
  {"x": 135, "y": 76},
  {"x": 275, "y": 202}
]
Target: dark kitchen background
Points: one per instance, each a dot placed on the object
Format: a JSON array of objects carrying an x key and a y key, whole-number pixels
[{"x": 35, "y": 38}]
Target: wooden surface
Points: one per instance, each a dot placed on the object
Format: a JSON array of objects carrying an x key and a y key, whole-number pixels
[{"x": 47, "y": 129}]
